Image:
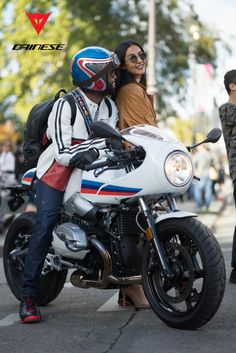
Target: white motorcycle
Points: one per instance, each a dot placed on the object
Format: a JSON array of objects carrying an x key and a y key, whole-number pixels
[{"x": 121, "y": 225}]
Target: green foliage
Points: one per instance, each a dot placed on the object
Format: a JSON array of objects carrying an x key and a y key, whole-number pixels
[
  {"x": 183, "y": 130},
  {"x": 28, "y": 77}
]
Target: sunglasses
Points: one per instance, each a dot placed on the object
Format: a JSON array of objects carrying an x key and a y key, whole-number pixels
[
  {"x": 115, "y": 60},
  {"x": 134, "y": 58}
]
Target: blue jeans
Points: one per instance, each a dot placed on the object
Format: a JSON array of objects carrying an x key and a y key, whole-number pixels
[
  {"x": 48, "y": 202},
  {"x": 203, "y": 186}
]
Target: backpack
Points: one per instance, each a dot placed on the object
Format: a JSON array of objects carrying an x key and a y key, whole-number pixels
[{"x": 35, "y": 141}]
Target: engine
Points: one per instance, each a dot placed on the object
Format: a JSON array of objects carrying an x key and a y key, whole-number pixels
[{"x": 70, "y": 241}]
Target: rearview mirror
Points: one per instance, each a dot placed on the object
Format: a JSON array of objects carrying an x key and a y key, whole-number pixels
[{"x": 214, "y": 135}]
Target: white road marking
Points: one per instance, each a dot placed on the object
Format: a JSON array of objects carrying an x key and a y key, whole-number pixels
[
  {"x": 68, "y": 285},
  {"x": 9, "y": 320},
  {"x": 112, "y": 305}
]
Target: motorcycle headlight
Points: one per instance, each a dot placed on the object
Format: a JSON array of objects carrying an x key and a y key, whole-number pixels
[{"x": 178, "y": 168}]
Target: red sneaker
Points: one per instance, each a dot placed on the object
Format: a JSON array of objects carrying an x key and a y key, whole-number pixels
[{"x": 29, "y": 310}]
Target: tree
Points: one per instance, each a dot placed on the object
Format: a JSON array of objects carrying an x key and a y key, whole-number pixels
[{"x": 28, "y": 77}]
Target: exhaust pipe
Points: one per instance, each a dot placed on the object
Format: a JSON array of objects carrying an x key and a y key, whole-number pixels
[
  {"x": 125, "y": 280},
  {"x": 77, "y": 278}
]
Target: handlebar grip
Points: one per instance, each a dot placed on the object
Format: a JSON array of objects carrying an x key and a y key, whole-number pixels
[{"x": 96, "y": 165}]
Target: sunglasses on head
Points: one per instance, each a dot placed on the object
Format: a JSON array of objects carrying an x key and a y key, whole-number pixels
[
  {"x": 134, "y": 58},
  {"x": 115, "y": 60}
]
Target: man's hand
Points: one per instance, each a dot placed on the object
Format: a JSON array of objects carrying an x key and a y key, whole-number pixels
[{"x": 81, "y": 159}]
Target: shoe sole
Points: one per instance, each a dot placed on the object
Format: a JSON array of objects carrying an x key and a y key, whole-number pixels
[{"x": 30, "y": 319}]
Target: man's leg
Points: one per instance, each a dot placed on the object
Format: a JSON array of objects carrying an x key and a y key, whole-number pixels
[
  {"x": 232, "y": 278},
  {"x": 48, "y": 203}
]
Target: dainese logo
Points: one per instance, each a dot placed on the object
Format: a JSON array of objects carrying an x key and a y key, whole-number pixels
[{"x": 38, "y": 21}]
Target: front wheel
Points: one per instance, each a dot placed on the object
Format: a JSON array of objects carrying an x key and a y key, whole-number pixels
[
  {"x": 192, "y": 297},
  {"x": 14, "y": 254}
]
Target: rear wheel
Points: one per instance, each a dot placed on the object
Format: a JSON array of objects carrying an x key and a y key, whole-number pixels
[
  {"x": 192, "y": 297},
  {"x": 14, "y": 254}
]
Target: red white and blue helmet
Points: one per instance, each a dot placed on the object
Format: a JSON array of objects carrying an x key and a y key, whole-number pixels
[{"x": 90, "y": 66}]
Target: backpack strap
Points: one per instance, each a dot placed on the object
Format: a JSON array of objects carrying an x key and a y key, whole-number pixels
[
  {"x": 57, "y": 95},
  {"x": 84, "y": 110},
  {"x": 109, "y": 107},
  {"x": 71, "y": 101}
]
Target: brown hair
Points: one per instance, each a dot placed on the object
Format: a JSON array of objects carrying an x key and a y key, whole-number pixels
[
  {"x": 123, "y": 76},
  {"x": 230, "y": 77}
]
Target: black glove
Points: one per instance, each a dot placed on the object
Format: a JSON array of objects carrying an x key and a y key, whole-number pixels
[
  {"x": 114, "y": 143},
  {"x": 81, "y": 159}
]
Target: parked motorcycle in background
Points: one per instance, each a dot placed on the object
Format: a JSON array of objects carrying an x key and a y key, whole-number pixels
[
  {"x": 121, "y": 225},
  {"x": 7, "y": 212}
]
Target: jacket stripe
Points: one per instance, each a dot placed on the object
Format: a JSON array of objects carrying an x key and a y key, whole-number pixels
[{"x": 58, "y": 132}]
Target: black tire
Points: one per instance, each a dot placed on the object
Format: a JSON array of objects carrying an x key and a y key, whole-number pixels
[
  {"x": 51, "y": 283},
  {"x": 192, "y": 298}
]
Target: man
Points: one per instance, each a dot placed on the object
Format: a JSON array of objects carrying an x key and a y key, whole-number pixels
[
  {"x": 228, "y": 121},
  {"x": 92, "y": 71}
]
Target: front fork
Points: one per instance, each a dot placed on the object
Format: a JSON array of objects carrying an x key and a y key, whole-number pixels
[{"x": 152, "y": 235}]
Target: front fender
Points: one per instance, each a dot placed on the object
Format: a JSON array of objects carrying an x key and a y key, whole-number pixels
[{"x": 171, "y": 215}]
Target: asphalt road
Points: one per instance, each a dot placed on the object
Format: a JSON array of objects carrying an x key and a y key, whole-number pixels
[{"x": 89, "y": 320}]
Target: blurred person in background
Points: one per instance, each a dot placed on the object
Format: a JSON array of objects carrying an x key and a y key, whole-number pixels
[
  {"x": 135, "y": 107},
  {"x": 227, "y": 114},
  {"x": 203, "y": 190},
  {"x": 7, "y": 164},
  {"x": 19, "y": 160}
]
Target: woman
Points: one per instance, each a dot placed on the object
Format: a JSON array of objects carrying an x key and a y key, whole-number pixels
[{"x": 135, "y": 107}]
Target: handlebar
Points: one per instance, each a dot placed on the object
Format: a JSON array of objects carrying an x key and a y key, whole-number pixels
[
  {"x": 96, "y": 165},
  {"x": 119, "y": 158}
]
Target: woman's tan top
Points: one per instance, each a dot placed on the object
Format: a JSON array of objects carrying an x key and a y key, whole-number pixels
[{"x": 135, "y": 106}]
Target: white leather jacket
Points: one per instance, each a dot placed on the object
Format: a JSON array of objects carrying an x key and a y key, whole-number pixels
[{"x": 53, "y": 165}]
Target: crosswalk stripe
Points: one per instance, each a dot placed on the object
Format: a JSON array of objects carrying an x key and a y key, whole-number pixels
[
  {"x": 112, "y": 305},
  {"x": 9, "y": 320}
]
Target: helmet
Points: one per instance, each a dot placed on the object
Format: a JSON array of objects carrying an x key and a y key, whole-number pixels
[{"x": 89, "y": 68}]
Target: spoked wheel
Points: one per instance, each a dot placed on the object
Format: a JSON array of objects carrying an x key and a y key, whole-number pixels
[
  {"x": 14, "y": 254},
  {"x": 191, "y": 298}
]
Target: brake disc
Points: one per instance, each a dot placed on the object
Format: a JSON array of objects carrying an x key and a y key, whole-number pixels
[{"x": 179, "y": 288}]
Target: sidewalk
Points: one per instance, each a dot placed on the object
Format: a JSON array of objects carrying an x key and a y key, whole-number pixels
[
  {"x": 217, "y": 208},
  {"x": 209, "y": 218}
]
